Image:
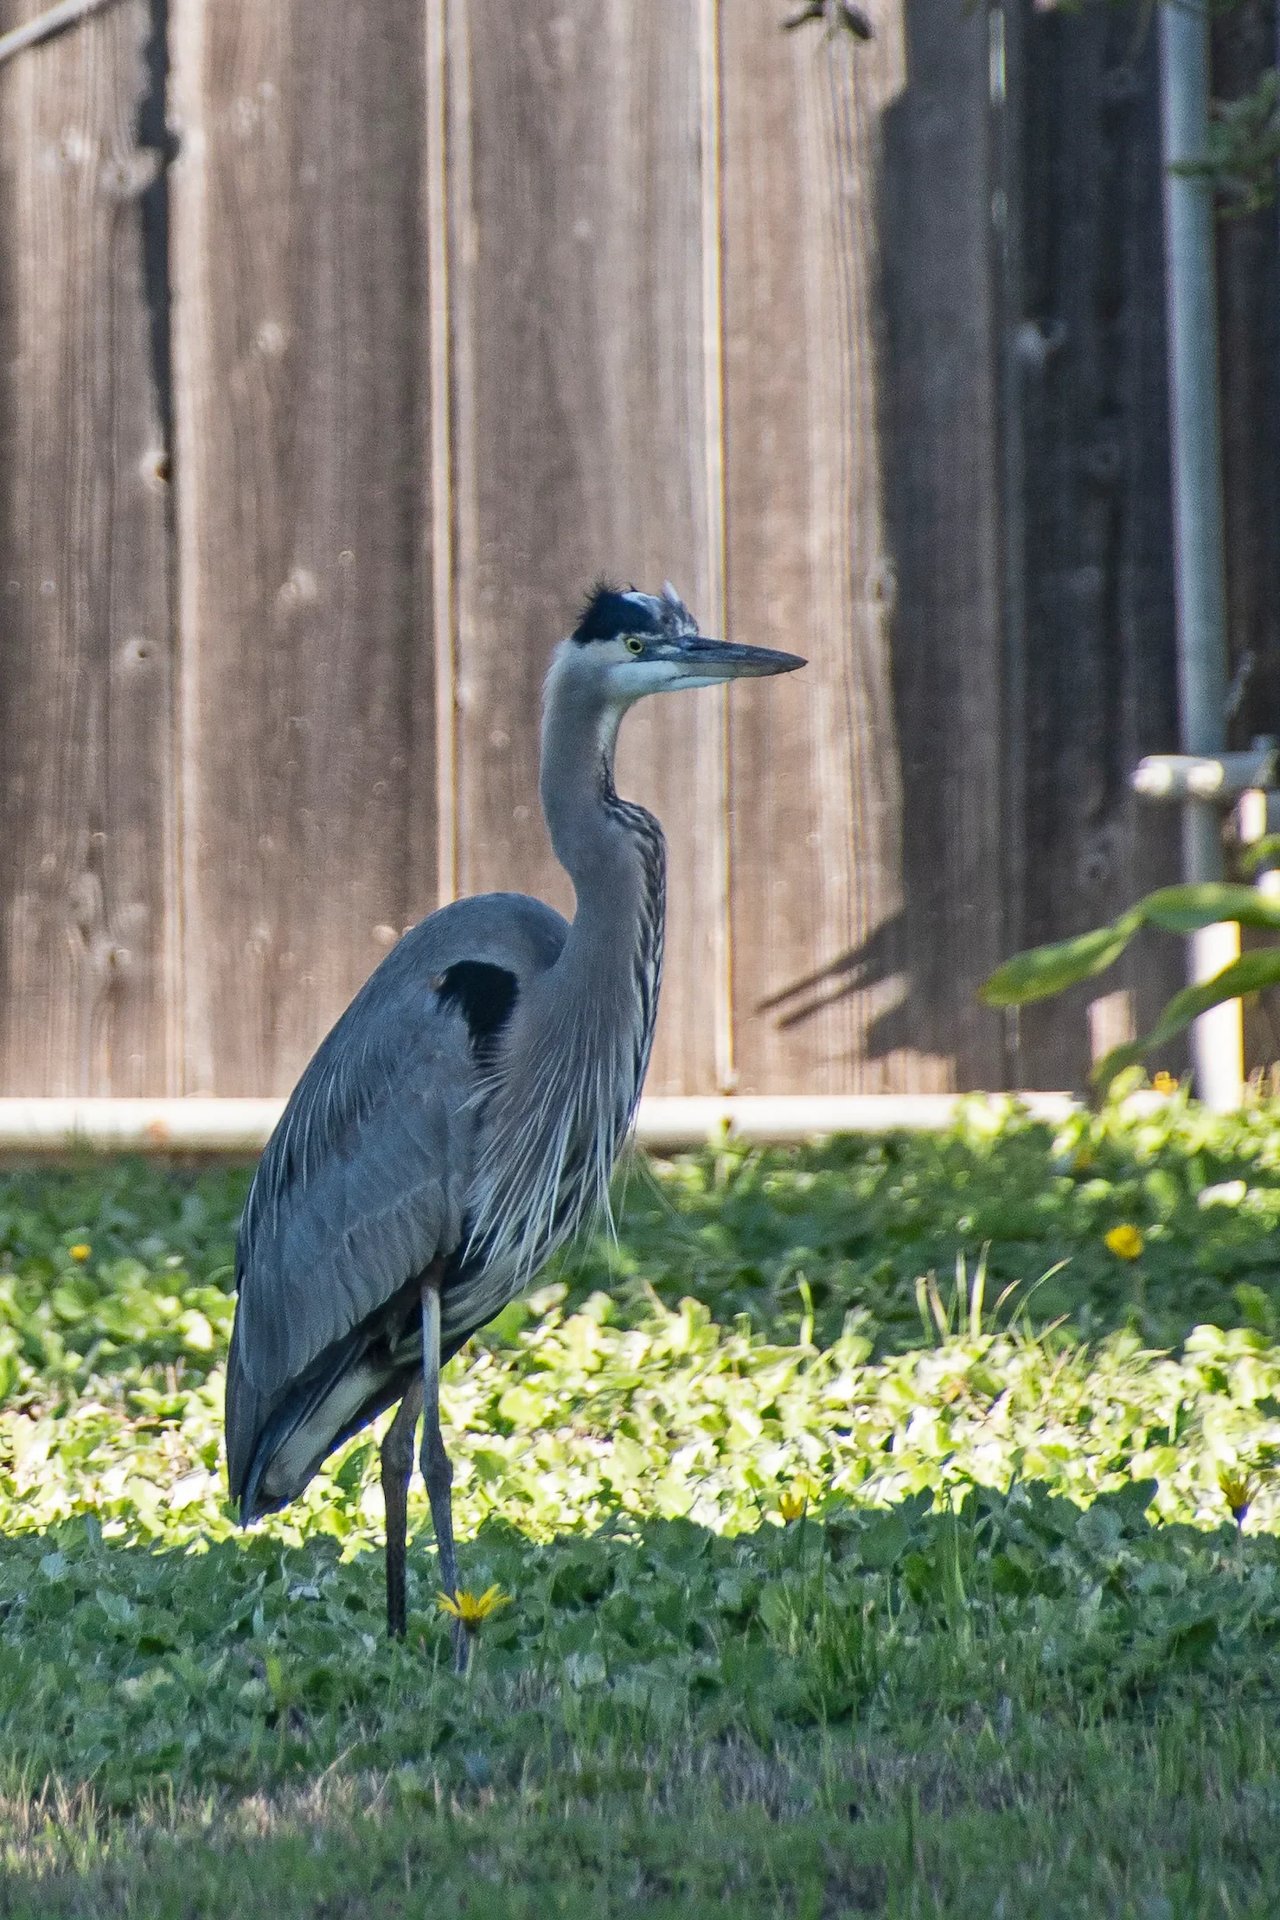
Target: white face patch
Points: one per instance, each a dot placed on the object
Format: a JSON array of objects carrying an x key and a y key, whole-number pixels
[
  {"x": 632, "y": 676},
  {"x": 617, "y": 675}
]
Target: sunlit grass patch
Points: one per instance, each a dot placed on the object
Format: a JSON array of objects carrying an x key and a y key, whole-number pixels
[
  {"x": 577, "y": 1418},
  {"x": 876, "y": 1534}
]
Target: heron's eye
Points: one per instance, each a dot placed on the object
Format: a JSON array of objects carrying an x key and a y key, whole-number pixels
[{"x": 634, "y": 645}]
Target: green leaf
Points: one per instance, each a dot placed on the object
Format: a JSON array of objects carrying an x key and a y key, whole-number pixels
[
  {"x": 1040, "y": 971},
  {"x": 883, "y": 1541},
  {"x": 1259, "y": 853},
  {"x": 1249, "y": 974},
  {"x": 1186, "y": 909},
  {"x": 1192, "y": 1641}
]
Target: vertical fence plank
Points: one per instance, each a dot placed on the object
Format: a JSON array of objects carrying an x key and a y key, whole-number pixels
[
  {"x": 814, "y": 761},
  {"x": 580, "y": 427},
  {"x": 304, "y": 516},
  {"x": 1098, "y": 662},
  {"x": 85, "y": 774},
  {"x": 862, "y": 529},
  {"x": 1244, "y": 47}
]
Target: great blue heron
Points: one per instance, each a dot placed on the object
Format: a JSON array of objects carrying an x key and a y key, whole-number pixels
[{"x": 463, "y": 1116}]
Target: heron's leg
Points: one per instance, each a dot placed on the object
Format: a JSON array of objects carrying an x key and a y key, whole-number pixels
[
  {"x": 397, "y": 1465},
  {"x": 437, "y": 1468}
]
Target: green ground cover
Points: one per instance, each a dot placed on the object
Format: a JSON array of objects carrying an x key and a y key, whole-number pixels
[{"x": 1008, "y": 1654}]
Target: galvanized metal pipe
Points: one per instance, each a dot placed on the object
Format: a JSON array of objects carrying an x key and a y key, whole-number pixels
[{"x": 1199, "y": 564}]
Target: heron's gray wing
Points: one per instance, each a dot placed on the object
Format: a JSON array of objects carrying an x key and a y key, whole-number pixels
[
  {"x": 365, "y": 1179},
  {"x": 362, "y": 1185}
]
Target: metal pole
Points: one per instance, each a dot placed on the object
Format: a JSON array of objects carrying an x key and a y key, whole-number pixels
[{"x": 1216, "y": 1041}]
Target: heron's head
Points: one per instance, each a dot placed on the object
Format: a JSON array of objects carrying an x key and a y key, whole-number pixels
[{"x": 629, "y": 644}]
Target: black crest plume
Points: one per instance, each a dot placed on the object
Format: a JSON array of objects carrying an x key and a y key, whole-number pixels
[{"x": 610, "y": 611}]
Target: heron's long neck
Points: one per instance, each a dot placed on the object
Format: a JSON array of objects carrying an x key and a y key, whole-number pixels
[
  {"x": 581, "y": 1034},
  {"x": 612, "y": 850}
]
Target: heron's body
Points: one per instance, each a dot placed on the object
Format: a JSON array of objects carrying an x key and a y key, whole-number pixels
[
  {"x": 463, "y": 1116},
  {"x": 371, "y": 1175}
]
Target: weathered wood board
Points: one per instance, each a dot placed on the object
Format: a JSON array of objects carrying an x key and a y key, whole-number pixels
[
  {"x": 306, "y": 725},
  {"x": 87, "y": 905},
  {"x": 861, "y": 531},
  {"x": 1090, "y": 409},
  {"x": 341, "y": 347},
  {"x": 581, "y": 419}
]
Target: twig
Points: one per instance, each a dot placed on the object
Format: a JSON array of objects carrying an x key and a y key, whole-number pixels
[{"x": 53, "y": 20}]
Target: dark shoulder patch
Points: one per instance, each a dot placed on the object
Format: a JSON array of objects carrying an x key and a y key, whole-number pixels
[
  {"x": 485, "y": 996},
  {"x": 609, "y": 612}
]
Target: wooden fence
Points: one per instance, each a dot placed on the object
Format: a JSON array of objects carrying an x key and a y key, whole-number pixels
[{"x": 342, "y": 342}]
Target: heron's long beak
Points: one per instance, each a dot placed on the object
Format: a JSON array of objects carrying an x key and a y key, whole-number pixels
[{"x": 705, "y": 663}]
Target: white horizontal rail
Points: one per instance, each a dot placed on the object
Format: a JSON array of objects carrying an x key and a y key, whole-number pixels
[
  {"x": 690, "y": 1121},
  {"x": 242, "y": 1126}
]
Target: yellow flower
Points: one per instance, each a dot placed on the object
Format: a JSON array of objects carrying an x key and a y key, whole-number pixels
[
  {"x": 472, "y": 1609},
  {"x": 791, "y": 1505},
  {"x": 1238, "y": 1489},
  {"x": 1164, "y": 1082},
  {"x": 80, "y": 1251},
  {"x": 1124, "y": 1241}
]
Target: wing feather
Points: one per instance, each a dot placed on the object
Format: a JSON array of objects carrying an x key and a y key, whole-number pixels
[
  {"x": 362, "y": 1186},
  {"x": 365, "y": 1180}
]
